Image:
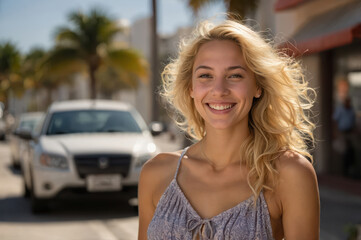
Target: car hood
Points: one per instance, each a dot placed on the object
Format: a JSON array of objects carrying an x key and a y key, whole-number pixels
[{"x": 72, "y": 144}]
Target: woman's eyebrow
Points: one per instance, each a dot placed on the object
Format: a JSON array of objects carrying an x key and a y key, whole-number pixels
[
  {"x": 202, "y": 67},
  {"x": 229, "y": 69},
  {"x": 237, "y": 67}
]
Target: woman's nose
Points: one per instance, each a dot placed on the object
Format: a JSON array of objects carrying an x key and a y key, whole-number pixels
[{"x": 220, "y": 86}]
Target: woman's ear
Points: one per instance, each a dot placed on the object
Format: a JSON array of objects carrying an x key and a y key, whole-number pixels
[
  {"x": 191, "y": 93},
  {"x": 258, "y": 93}
]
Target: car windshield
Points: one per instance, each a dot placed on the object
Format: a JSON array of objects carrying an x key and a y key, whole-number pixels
[
  {"x": 91, "y": 121},
  {"x": 30, "y": 123}
]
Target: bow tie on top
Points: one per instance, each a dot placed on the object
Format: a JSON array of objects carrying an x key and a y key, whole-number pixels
[{"x": 201, "y": 228}]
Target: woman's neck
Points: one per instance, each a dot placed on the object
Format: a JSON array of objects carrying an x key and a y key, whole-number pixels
[{"x": 221, "y": 148}]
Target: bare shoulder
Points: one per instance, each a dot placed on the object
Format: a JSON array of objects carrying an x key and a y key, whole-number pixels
[
  {"x": 293, "y": 166},
  {"x": 161, "y": 164},
  {"x": 297, "y": 191},
  {"x": 157, "y": 173},
  {"x": 155, "y": 176},
  {"x": 299, "y": 198},
  {"x": 296, "y": 176}
]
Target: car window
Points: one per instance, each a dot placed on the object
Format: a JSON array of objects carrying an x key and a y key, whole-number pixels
[
  {"x": 30, "y": 123},
  {"x": 90, "y": 121},
  {"x": 37, "y": 129}
]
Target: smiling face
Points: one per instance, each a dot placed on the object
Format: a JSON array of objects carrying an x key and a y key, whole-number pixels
[{"x": 223, "y": 87}]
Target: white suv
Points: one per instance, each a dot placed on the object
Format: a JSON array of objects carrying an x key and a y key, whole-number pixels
[{"x": 86, "y": 146}]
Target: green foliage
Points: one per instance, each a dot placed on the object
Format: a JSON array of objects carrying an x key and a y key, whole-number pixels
[
  {"x": 10, "y": 62},
  {"x": 237, "y": 8},
  {"x": 31, "y": 66},
  {"x": 86, "y": 46},
  {"x": 9, "y": 59},
  {"x": 352, "y": 232}
]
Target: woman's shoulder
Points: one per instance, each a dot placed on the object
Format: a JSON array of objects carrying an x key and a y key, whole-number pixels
[
  {"x": 162, "y": 160},
  {"x": 293, "y": 164},
  {"x": 156, "y": 175},
  {"x": 298, "y": 196},
  {"x": 162, "y": 166},
  {"x": 296, "y": 173}
]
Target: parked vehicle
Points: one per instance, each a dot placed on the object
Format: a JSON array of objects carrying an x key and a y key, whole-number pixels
[
  {"x": 2, "y": 123},
  {"x": 26, "y": 122},
  {"x": 86, "y": 146},
  {"x": 2, "y": 129}
]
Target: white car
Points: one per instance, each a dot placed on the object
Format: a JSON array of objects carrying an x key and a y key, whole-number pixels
[
  {"x": 27, "y": 122},
  {"x": 86, "y": 146}
]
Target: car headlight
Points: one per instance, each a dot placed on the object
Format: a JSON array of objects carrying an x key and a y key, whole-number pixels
[
  {"x": 142, "y": 159},
  {"x": 54, "y": 161}
]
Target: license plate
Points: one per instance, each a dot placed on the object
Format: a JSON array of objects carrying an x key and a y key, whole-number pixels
[{"x": 104, "y": 182}]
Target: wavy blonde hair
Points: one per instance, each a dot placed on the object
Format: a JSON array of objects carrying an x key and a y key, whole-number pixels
[{"x": 277, "y": 120}]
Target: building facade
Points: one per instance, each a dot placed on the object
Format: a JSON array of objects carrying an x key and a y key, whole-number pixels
[{"x": 325, "y": 35}]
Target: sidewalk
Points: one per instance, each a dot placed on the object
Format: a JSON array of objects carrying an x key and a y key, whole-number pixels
[
  {"x": 340, "y": 206},
  {"x": 340, "y": 183}
]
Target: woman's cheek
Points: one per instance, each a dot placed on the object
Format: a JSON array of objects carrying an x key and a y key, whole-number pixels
[{"x": 199, "y": 90}]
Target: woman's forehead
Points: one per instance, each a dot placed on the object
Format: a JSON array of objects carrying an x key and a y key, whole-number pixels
[
  {"x": 223, "y": 44},
  {"x": 219, "y": 53}
]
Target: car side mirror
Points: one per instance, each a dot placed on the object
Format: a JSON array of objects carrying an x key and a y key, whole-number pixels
[
  {"x": 25, "y": 134},
  {"x": 15, "y": 132},
  {"x": 156, "y": 128}
]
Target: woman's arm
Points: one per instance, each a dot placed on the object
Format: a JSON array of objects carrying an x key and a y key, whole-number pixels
[
  {"x": 298, "y": 192},
  {"x": 145, "y": 200},
  {"x": 155, "y": 177}
]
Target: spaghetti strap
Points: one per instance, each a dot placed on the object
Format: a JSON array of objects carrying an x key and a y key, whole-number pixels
[
  {"x": 175, "y": 218},
  {"x": 179, "y": 161}
]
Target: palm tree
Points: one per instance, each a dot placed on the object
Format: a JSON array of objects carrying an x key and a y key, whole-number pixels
[
  {"x": 87, "y": 46},
  {"x": 10, "y": 61},
  {"x": 110, "y": 87},
  {"x": 37, "y": 77},
  {"x": 30, "y": 67},
  {"x": 237, "y": 8}
]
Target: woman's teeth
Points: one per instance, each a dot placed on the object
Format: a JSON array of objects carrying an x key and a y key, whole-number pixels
[{"x": 220, "y": 106}]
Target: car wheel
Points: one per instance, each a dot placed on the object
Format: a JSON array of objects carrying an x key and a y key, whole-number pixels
[
  {"x": 135, "y": 209},
  {"x": 131, "y": 191},
  {"x": 38, "y": 205},
  {"x": 26, "y": 190},
  {"x": 132, "y": 195},
  {"x": 14, "y": 164}
]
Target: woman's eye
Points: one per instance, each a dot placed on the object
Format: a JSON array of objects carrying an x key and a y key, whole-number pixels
[
  {"x": 205, "y": 76},
  {"x": 236, "y": 76}
]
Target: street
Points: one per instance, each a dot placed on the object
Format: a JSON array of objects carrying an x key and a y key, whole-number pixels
[
  {"x": 108, "y": 220},
  {"x": 115, "y": 219}
]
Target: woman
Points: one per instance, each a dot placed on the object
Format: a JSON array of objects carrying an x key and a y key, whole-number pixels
[{"x": 247, "y": 176}]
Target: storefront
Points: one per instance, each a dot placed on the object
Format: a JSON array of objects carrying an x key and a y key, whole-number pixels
[
  {"x": 347, "y": 94},
  {"x": 329, "y": 45}
]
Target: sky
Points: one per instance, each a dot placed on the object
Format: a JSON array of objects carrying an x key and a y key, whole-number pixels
[{"x": 31, "y": 23}]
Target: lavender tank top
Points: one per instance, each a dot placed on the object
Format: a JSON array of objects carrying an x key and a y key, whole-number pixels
[{"x": 175, "y": 219}]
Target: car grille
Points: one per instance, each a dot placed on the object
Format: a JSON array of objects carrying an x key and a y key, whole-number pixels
[{"x": 102, "y": 164}]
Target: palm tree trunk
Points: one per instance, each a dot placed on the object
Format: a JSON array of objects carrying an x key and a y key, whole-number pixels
[
  {"x": 93, "y": 88},
  {"x": 155, "y": 68}
]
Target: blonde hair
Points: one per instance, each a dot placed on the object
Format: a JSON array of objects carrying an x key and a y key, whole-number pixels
[{"x": 277, "y": 120}]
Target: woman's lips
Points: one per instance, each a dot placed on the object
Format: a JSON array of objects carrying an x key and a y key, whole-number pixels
[{"x": 220, "y": 107}]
